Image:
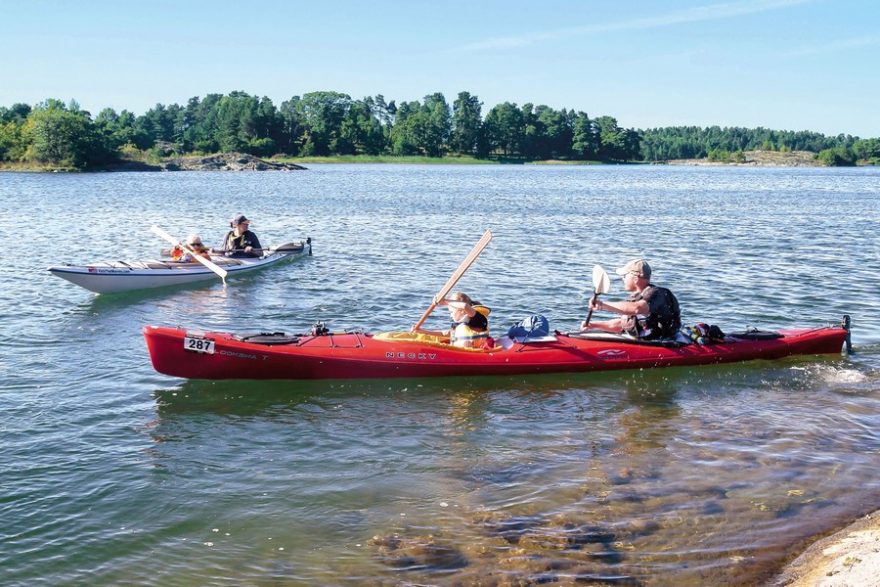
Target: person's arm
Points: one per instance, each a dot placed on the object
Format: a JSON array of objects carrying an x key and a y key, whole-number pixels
[
  {"x": 255, "y": 244},
  {"x": 432, "y": 332},
  {"x": 624, "y": 308}
]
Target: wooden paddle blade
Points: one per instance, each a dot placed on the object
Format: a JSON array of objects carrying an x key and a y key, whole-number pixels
[{"x": 450, "y": 283}]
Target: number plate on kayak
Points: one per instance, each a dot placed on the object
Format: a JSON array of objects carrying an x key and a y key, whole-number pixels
[{"x": 199, "y": 345}]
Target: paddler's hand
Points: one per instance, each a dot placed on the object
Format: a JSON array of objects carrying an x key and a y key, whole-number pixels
[{"x": 596, "y": 304}]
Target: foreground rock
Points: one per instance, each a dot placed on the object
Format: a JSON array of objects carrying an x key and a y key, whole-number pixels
[{"x": 850, "y": 557}]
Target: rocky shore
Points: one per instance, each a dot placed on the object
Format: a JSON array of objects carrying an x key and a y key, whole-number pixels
[
  {"x": 760, "y": 159},
  {"x": 221, "y": 162},
  {"x": 851, "y": 557}
]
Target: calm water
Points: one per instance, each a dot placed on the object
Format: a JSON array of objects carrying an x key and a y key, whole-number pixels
[{"x": 113, "y": 474}]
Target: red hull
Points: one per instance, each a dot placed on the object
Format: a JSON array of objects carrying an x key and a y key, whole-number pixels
[{"x": 356, "y": 356}]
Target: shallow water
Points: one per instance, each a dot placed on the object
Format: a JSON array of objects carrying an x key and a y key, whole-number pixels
[{"x": 112, "y": 473}]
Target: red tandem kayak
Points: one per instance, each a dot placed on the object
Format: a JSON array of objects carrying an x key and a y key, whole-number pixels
[{"x": 220, "y": 355}]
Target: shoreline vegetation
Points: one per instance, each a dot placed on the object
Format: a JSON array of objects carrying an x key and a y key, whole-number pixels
[
  {"x": 331, "y": 127},
  {"x": 245, "y": 162},
  {"x": 234, "y": 161}
]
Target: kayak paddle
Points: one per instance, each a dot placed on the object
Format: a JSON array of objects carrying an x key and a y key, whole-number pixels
[
  {"x": 468, "y": 261},
  {"x": 206, "y": 262}
]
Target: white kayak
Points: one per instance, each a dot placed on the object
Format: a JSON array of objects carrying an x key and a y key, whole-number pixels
[{"x": 121, "y": 276}]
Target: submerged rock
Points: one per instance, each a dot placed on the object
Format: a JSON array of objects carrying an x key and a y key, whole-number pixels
[
  {"x": 507, "y": 526},
  {"x": 417, "y": 553}
]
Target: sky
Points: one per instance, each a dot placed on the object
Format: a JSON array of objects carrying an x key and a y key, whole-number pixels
[{"x": 780, "y": 64}]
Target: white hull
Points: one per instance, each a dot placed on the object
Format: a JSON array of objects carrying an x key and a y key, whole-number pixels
[{"x": 121, "y": 276}]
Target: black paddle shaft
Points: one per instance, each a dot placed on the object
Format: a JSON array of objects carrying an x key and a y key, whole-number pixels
[{"x": 590, "y": 313}]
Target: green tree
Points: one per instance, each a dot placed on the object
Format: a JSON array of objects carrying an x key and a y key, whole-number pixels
[
  {"x": 409, "y": 133},
  {"x": 839, "y": 156},
  {"x": 439, "y": 125},
  {"x": 198, "y": 124},
  {"x": 422, "y": 128},
  {"x": 632, "y": 141},
  {"x": 117, "y": 130},
  {"x": 361, "y": 129},
  {"x": 867, "y": 150},
  {"x": 466, "y": 124},
  {"x": 505, "y": 129},
  {"x": 58, "y": 136},
  {"x": 558, "y": 135},
  {"x": 322, "y": 114},
  {"x": 585, "y": 138},
  {"x": 232, "y": 119},
  {"x": 684, "y": 142},
  {"x": 382, "y": 110},
  {"x": 157, "y": 124},
  {"x": 533, "y": 141},
  {"x": 292, "y": 126},
  {"x": 612, "y": 139},
  {"x": 184, "y": 122},
  {"x": 16, "y": 113},
  {"x": 719, "y": 155},
  {"x": 235, "y": 122},
  {"x": 12, "y": 144}
]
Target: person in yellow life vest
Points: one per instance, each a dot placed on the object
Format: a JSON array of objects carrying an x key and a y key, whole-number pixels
[
  {"x": 470, "y": 322},
  {"x": 194, "y": 242}
]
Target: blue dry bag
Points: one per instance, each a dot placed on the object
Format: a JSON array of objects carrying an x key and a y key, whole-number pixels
[{"x": 534, "y": 326}]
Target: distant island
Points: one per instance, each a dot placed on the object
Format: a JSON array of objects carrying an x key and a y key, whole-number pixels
[
  {"x": 756, "y": 158},
  {"x": 331, "y": 126}
]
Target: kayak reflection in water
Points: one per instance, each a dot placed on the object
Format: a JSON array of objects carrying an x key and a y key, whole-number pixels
[
  {"x": 470, "y": 322},
  {"x": 651, "y": 312}
]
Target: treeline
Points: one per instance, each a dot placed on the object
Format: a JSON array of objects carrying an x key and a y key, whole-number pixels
[
  {"x": 729, "y": 143},
  {"x": 53, "y": 133}
]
